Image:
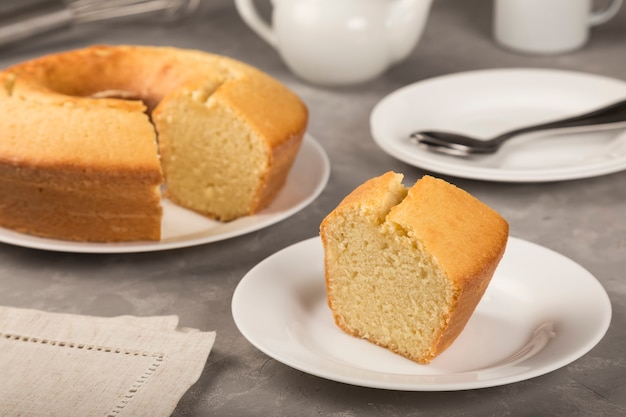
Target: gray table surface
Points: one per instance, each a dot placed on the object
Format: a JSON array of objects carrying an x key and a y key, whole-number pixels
[{"x": 584, "y": 220}]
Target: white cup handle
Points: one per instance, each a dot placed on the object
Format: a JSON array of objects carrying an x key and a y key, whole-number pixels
[
  {"x": 604, "y": 15},
  {"x": 250, "y": 16}
]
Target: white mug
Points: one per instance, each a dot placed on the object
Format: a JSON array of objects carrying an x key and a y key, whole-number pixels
[
  {"x": 547, "y": 26},
  {"x": 340, "y": 42}
]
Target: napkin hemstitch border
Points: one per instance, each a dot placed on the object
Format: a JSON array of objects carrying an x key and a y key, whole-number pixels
[{"x": 134, "y": 388}]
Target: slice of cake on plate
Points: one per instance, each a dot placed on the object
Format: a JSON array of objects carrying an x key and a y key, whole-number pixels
[{"x": 405, "y": 268}]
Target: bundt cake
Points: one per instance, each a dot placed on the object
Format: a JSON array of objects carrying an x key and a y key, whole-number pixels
[{"x": 91, "y": 137}]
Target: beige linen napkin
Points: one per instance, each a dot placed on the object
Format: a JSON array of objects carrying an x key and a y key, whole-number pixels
[{"x": 55, "y": 364}]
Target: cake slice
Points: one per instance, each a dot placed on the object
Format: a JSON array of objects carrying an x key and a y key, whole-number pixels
[{"x": 405, "y": 268}]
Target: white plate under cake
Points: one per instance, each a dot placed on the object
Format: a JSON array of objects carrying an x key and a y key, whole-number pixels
[
  {"x": 540, "y": 312},
  {"x": 183, "y": 228}
]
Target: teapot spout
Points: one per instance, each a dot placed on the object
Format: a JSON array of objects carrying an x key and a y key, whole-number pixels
[{"x": 405, "y": 24}]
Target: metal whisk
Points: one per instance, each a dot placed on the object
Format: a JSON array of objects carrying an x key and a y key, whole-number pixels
[{"x": 27, "y": 18}]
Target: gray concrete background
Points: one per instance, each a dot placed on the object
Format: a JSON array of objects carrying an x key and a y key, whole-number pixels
[{"x": 583, "y": 219}]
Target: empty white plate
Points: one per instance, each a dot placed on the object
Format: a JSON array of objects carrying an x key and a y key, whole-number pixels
[{"x": 486, "y": 103}]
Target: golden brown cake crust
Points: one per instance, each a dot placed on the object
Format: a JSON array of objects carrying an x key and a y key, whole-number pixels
[
  {"x": 64, "y": 113},
  {"x": 465, "y": 236}
]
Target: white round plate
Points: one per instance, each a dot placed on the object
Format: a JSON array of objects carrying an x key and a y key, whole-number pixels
[
  {"x": 541, "y": 311},
  {"x": 183, "y": 228},
  {"x": 486, "y": 103}
]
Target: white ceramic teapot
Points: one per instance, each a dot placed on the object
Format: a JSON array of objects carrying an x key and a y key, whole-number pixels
[{"x": 340, "y": 42}]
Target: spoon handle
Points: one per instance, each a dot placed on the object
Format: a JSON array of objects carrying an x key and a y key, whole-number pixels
[{"x": 615, "y": 112}]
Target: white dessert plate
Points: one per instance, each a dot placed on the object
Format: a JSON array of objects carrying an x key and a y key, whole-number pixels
[
  {"x": 488, "y": 102},
  {"x": 541, "y": 311},
  {"x": 183, "y": 228}
]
